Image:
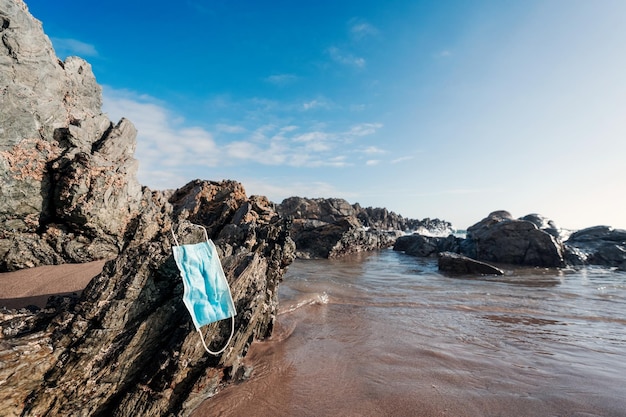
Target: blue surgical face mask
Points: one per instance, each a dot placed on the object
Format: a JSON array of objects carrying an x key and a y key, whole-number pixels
[{"x": 206, "y": 292}]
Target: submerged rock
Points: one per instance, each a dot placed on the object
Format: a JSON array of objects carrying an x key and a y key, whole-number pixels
[{"x": 459, "y": 264}]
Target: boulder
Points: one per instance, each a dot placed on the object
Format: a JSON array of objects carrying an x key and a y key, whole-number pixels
[
  {"x": 425, "y": 246},
  {"x": 547, "y": 225},
  {"x": 502, "y": 239},
  {"x": 598, "y": 245},
  {"x": 458, "y": 264}
]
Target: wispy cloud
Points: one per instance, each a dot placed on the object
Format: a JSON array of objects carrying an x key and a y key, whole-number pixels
[
  {"x": 171, "y": 151},
  {"x": 401, "y": 159},
  {"x": 345, "y": 58},
  {"x": 444, "y": 54},
  {"x": 360, "y": 29},
  {"x": 65, "y": 47},
  {"x": 281, "y": 79},
  {"x": 373, "y": 150},
  {"x": 364, "y": 129},
  {"x": 372, "y": 162},
  {"x": 316, "y": 104}
]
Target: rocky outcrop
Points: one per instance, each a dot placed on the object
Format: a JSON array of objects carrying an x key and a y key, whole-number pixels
[
  {"x": 502, "y": 239},
  {"x": 454, "y": 263},
  {"x": 328, "y": 228},
  {"x": 128, "y": 345},
  {"x": 68, "y": 174},
  {"x": 599, "y": 245},
  {"x": 69, "y": 193}
]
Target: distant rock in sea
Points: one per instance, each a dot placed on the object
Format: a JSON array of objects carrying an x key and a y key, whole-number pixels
[
  {"x": 332, "y": 227},
  {"x": 532, "y": 240}
]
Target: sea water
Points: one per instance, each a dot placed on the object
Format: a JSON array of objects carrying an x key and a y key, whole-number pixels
[{"x": 385, "y": 334}]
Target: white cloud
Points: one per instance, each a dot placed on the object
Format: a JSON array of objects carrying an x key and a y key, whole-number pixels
[
  {"x": 372, "y": 162},
  {"x": 315, "y": 104},
  {"x": 163, "y": 140},
  {"x": 364, "y": 129},
  {"x": 170, "y": 151},
  {"x": 66, "y": 46},
  {"x": 444, "y": 54},
  {"x": 345, "y": 58}
]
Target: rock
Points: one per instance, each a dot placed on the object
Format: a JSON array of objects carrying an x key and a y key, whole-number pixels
[
  {"x": 128, "y": 344},
  {"x": 328, "y": 228},
  {"x": 598, "y": 245},
  {"x": 69, "y": 193},
  {"x": 459, "y": 264},
  {"x": 500, "y": 238},
  {"x": 68, "y": 174},
  {"x": 547, "y": 225},
  {"x": 425, "y": 246}
]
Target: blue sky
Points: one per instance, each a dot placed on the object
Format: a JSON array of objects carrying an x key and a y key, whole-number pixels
[{"x": 448, "y": 109}]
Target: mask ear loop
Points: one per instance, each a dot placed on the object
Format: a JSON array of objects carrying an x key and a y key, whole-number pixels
[{"x": 232, "y": 319}]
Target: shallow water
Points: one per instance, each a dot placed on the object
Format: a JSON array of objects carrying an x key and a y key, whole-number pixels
[{"x": 384, "y": 334}]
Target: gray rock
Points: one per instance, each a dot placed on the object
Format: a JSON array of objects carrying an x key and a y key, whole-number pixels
[
  {"x": 500, "y": 238},
  {"x": 68, "y": 174},
  {"x": 545, "y": 224},
  {"x": 598, "y": 245},
  {"x": 426, "y": 246},
  {"x": 69, "y": 194},
  {"x": 328, "y": 228},
  {"x": 458, "y": 264}
]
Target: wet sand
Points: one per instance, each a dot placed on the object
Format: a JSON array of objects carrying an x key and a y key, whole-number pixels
[
  {"x": 33, "y": 286},
  {"x": 387, "y": 336}
]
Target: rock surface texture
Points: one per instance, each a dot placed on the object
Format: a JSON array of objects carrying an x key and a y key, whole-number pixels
[
  {"x": 68, "y": 174},
  {"x": 127, "y": 346},
  {"x": 329, "y": 228}
]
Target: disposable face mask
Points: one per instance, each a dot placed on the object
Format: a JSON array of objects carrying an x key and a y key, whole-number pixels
[{"x": 206, "y": 292}]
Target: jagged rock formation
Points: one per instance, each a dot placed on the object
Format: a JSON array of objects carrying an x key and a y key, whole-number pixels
[
  {"x": 69, "y": 193},
  {"x": 68, "y": 174},
  {"x": 454, "y": 263},
  {"x": 128, "y": 345},
  {"x": 328, "y": 228}
]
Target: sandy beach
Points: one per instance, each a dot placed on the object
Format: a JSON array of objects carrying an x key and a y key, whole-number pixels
[{"x": 33, "y": 286}]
